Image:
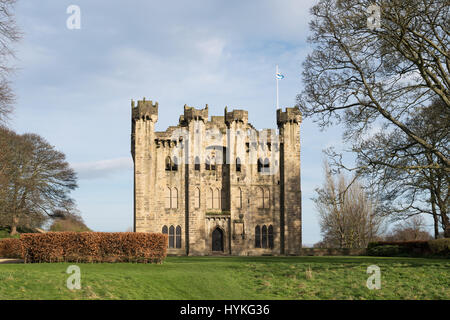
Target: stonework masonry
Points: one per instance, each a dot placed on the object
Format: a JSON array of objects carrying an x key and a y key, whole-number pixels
[{"x": 218, "y": 186}]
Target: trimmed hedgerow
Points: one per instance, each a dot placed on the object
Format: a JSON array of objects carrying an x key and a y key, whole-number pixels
[
  {"x": 398, "y": 248},
  {"x": 440, "y": 247},
  {"x": 94, "y": 247},
  {"x": 10, "y": 248}
]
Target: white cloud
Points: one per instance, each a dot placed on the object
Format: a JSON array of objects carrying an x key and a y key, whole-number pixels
[{"x": 102, "y": 168}]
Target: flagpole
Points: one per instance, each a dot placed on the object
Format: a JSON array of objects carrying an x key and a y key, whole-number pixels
[{"x": 276, "y": 77}]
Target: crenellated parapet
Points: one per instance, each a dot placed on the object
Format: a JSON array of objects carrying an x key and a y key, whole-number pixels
[
  {"x": 144, "y": 110},
  {"x": 236, "y": 115},
  {"x": 290, "y": 115},
  {"x": 190, "y": 113}
]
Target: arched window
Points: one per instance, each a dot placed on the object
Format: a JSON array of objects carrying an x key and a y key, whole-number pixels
[
  {"x": 167, "y": 198},
  {"x": 238, "y": 164},
  {"x": 260, "y": 165},
  {"x": 239, "y": 198},
  {"x": 266, "y": 200},
  {"x": 270, "y": 237},
  {"x": 216, "y": 200},
  {"x": 213, "y": 163},
  {"x": 174, "y": 198},
  {"x": 178, "y": 238},
  {"x": 264, "y": 236},
  {"x": 196, "y": 198},
  {"x": 263, "y": 166},
  {"x": 171, "y": 236},
  {"x": 197, "y": 164},
  {"x": 266, "y": 165},
  {"x": 257, "y": 237},
  {"x": 260, "y": 197},
  {"x": 207, "y": 163},
  {"x": 168, "y": 164},
  {"x": 175, "y": 164},
  {"x": 209, "y": 199},
  {"x": 165, "y": 230}
]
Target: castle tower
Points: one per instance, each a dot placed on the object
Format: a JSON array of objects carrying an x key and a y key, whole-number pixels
[
  {"x": 290, "y": 190},
  {"x": 143, "y": 119},
  {"x": 195, "y": 121}
]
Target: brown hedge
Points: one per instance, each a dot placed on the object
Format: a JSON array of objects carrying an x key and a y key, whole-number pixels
[
  {"x": 11, "y": 248},
  {"x": 94, "y": 247}
]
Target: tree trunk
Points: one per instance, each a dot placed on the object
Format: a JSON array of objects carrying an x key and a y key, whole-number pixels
[
  {"x": 435, "y": 215},
  {"x": 15, "y": 222},
  {"x": 445, "y": 225}
]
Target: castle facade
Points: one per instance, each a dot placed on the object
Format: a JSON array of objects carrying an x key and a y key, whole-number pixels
[{"x": 218, "y": 186}]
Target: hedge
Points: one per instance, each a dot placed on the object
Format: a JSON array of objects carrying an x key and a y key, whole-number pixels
[
  {"x": 11, "y": 248},
  {"x": 94, "y": 247},
  {"x": 439, "y": 247}
]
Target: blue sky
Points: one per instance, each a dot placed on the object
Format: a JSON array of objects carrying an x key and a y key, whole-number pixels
[{"x": 74, "y": 86}]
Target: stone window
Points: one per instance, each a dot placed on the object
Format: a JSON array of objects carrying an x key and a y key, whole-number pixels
[
  {"x": 266, "y": 198},
  {"x": 209, "y": 199},
  {"x": 264, "y": 236},
  {"x": 238, "y": 164},
  {"x": 175, "y": 164},
  {"x": 260, "y": 197},
  {"x": 164, "y": 229},
  {"x": 216, "y": 200},
  {"x": 257, "y": 237},
  {"x": 172, "y": 165},
  {"x": 213, "y": 164},
  {"x": 239, "y": 198},
  {"x": 178, "y": 238},
  {"x": 167, "y": 198},
  {"x": 174, "y": 198},
  {"x": 207, "y": 163},
  {"x": 196, "y": 198},
  {"x": 270, "y": 231},
  {"x": 197, "y": 164},
  {"x": 171, "y": 236},
  {"x": 168, "y": 164},
  {"x": 171, "y": 198},
  {"x": 263, "y": 165}
]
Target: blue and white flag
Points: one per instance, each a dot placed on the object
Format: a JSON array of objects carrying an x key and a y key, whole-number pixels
[{"x": 279, "y": 76}]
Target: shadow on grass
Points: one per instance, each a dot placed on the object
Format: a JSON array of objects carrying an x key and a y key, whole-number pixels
[{"x": 356, "y": 260}]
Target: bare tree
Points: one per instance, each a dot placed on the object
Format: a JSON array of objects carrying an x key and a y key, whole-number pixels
[
  {"x": 411, "y": 229},
  {"x": 35, "y": 179},
  {"x": 348, "y": 216},
  {"x": 9, "y": 33},
  {"x": 362, "y": 76},
  {"x": 405, "y": 176}
]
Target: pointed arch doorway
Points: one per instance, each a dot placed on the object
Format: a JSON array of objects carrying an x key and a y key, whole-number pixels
[{"x": 217, "y": 240}]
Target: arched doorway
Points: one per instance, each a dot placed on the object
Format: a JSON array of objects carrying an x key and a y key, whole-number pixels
[{"x": 217, "y": 240}]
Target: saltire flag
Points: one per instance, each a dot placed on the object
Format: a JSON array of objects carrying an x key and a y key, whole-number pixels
[{"x": 279, "y": 76}]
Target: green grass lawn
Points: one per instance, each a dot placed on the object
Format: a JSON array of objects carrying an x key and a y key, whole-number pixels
[{"x": 233, "y": 278}]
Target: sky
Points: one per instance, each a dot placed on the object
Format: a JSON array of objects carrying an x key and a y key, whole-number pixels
[{"x": 74, "y": 86}]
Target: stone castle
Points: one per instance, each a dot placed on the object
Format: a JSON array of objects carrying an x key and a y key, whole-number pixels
[{"x": 217, "y": 185}]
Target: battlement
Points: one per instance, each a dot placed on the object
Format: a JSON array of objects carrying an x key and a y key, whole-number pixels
[
  {"x": 145, "y": 109},
  {"x": 290, "y": 115},
  {"x": 190, "y": 113},
  {"x": 236, "y": 115}
]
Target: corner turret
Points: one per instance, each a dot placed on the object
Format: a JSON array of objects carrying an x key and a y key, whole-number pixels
[
  {"x": 292, "y": 115},
  {"x": 145, "y": 110}
]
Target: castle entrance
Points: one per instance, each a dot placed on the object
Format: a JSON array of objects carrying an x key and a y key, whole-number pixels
[{"x": 217, "y": 240}]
